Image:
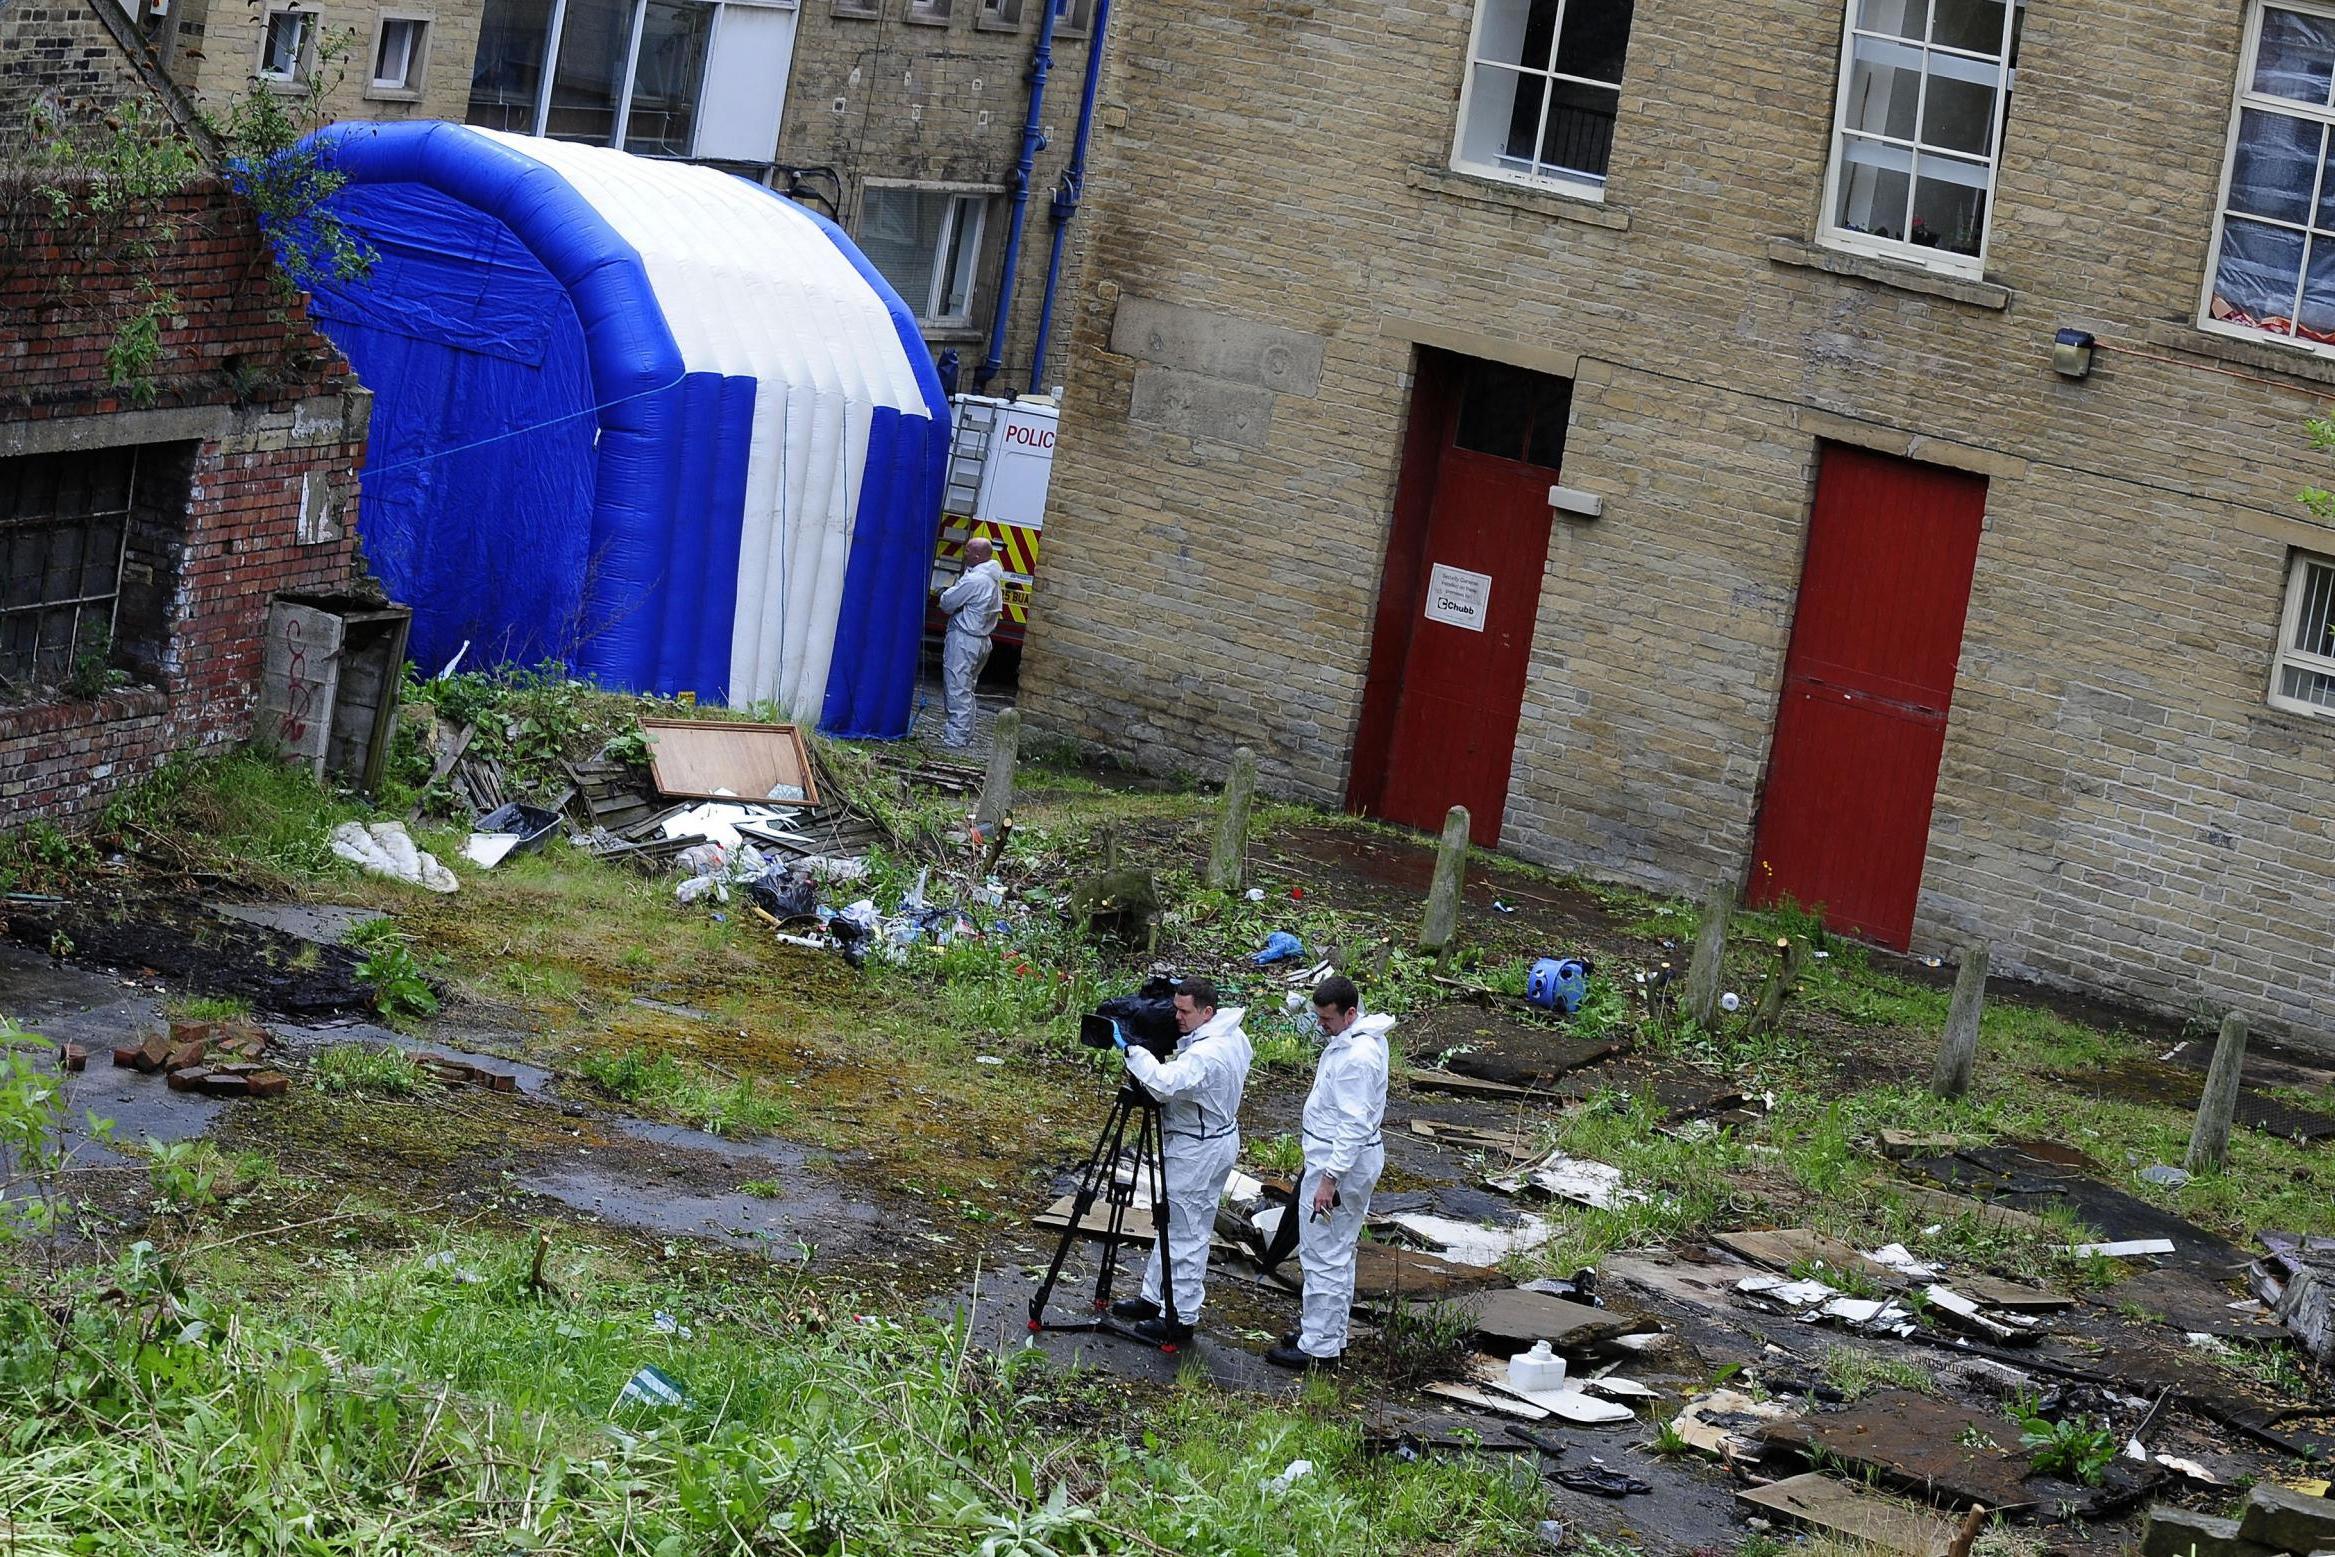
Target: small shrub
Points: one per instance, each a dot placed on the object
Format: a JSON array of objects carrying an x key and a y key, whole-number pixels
[
  {"x": 1282, "y": 1155},
  {"x": 1423, "y": 1342},
  {"x": 400, "y": 988},
  {"x": 761, "y": 1189},
  {"x": 2076, "y": 1449}
]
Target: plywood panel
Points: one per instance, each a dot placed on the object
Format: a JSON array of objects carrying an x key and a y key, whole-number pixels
[{"x": 707, "y": 759}]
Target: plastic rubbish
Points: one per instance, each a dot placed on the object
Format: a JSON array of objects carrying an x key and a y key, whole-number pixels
[
  {"x": 1256, "y": 894},
  {"x": 1538, "y": 1370},
  {"x": 784, "y": 893},
  {"x": 385, "y": 849},
  {"x": 1558, "y": 984},
  {"x": 1280, "y": 946},
  {"x": 1730, "y": 1001},
  {"x": 1602, "y": 1481},
  {"x": 2165, "y": 1176},
  {"x": 1297, "y": 1471},
  {"x": 652, "y": 1387}
]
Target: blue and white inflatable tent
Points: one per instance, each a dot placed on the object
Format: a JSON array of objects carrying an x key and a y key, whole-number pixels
[{"x": 644, "y": 418}]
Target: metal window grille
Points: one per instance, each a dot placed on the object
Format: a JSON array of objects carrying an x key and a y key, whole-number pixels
[{"x": 64, "y": 528}]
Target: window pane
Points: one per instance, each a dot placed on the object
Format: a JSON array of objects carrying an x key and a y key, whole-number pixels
[
  {"x": 1499, "y": 102},
  {"x": 101, "y": 559},
  {"x": 2315, "y": 321},
  {"x": 2308, "y": 686},
  {"x": 900, "y": 230},
  {"x": 2297, "y": 58},
  {"x": 1579, "y": 138},
  {"x": 1876, "y": 187},
  {"x": 1550, "y": 416},
  {"x": 594, "y": 38},
  {"x": 665, "y": 78},
  {"x": 1495, "y": 411},
  {"x": 961, "y": 260},
  {"x": 1596, "y": 40},
  {"x": 287, "y": 36},
  {"x": 2315, "y": 630},
  {"x": 1884, "y": 90},
  {"x": 509, "y": 68},
  {"x": 1516, "y": 32},
  {"x": 1949, "y": 205},
  {"x": 1976, "y": 25},
  {"x": 1897, "y": 18},
  {"x": 2255, "y": 282},
  {"x": 1958, "y": 112},
  {"x": 2277, "y": 158}
]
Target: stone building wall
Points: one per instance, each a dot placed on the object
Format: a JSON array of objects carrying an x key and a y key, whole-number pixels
[
  {"x": 876, "y": 95},
  {"x": 2118, "y": 808}
]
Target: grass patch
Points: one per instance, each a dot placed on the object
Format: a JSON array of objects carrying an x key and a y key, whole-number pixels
[
  {"x": 662, "y": 1085},
  {"x": 1857, "y": 1373},
  {"x": 206, "y": 1008},
  {"x": 796, "y": 1437},
  {"x": 243, "y": 814},
  {"x": 366, "y": 1069}
]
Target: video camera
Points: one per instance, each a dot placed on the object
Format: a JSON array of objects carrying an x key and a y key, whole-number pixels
[{"x": 1147, "y": 1017}]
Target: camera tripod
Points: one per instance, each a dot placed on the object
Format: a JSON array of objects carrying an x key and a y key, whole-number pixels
[{"x": 1100, "y": 1180}]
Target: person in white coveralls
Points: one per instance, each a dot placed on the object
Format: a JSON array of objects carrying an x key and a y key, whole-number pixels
[
  {"x": 1199, "y": 1092},
  {"x": 973, "y": 604},
  {"x": 1344, "y": 1156}
]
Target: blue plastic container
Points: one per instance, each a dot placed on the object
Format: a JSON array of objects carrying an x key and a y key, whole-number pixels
[{"x": 1558, "y": 984}]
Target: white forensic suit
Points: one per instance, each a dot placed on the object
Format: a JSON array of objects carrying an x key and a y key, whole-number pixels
[
  {"x": 1341, "y": 1133},
  {"x": 1200, "y": 1090},
  {"x": 973, "y": 603}
]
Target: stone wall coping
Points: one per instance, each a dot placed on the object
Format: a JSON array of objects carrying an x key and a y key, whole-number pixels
[
  {"x": 1902, "y": 275},
  {"x": 1542, "y": 202},
  {"x": 2268, "y": 355},
  {"x": 81, "y": 713}
]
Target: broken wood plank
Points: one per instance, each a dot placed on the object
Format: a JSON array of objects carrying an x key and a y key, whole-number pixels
[
  {"x": 1995, "y": 1292},
  {"x": 1512, "y": 1320},
  {"x": 1469, "y": 1086},
  {"x": 1946, "y": 1206},
  {"x": 1791, "y": 1248},
  {"x": 1857, "y": 1513},
  {"x": 1725, "y": 1423},
  {"x": 1485, "y": 1400}
]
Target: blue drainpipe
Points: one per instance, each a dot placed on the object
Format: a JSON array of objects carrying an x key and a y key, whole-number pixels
[
  {"x": 1033, "y": 142},
  {"x": 1071, "y": 190}
]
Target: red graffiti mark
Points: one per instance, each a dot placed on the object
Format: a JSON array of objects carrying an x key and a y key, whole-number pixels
[{"x": 299, "y": 691}]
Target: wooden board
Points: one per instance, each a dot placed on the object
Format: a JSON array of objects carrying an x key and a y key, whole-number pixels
[
  {"x": 1787, "y": 1247},
  {"x": 1997, "y": 1293},
  {"x": 1469, "y": 1086},
  {"x": 1385, "y": 1273},
  {"x": 700, "y": 759},
  {"x": 1514, "y": 1319},
  {"x": 300, "y": 671},
  {"x": 1857, "y": 1512},
  {"x": 1947, "y": 1206},
  {"x": 1138, "y": 1227}
]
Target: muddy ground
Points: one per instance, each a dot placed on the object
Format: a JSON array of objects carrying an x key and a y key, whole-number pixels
[{"x": 555, "y": 1151}]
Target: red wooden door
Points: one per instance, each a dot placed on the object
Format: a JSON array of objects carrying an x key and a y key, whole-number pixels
[
  {"x": 1845, "y": 821},
  {"x": 1454, "y": 639}
]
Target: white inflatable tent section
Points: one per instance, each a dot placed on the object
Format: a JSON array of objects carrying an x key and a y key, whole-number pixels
[{"x": 824, "y": 354}]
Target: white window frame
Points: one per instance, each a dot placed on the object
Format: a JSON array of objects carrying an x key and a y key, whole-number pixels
[
  {"x": 305, "y": 63},
  {"x": 1074, "y": 18},
  {"x": 1831, "y": 234},
  {"x": 858, "y": 10},
  {"x": 2247, "y": 97},
  {"x": 417, "y": 59},
  {"x": 998, "y": 15},
  {"x": 550, "y": 72},
  {"x": 1582, "y": 186},
  {"x": 2300, "y": 565},
  {"x": 927, "y": 13},
  {"x": 980, "y": 197}
]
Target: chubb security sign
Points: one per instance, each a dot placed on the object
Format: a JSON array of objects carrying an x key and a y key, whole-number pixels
[{"x": 1458, "y": 597}]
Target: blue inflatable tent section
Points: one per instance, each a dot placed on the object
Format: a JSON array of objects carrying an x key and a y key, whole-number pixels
[{"x": 644, "y": 418}]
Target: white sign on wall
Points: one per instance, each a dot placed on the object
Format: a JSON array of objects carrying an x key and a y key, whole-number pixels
[{"x": 1458, "y": 597}]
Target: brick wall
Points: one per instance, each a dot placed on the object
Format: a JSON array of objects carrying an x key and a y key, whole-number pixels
[
  {"x": 57, "y": 55},
  {"x": 2118, "y": 807},
  {"x": 885, "y": 98},
  {"x": 263, "y": 412}
]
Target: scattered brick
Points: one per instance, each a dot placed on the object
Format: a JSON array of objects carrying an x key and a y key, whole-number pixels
[
  {"x": 186, "y": 1056},
  {"x": 270, "y": 1083},
  {"x": 73, "y": 1057},
  {"x": 189, "y": 1080},
  {"x": 127, "y": 1059},
  {"x": 183, "y": 1033},
  {"x": 219, "y": 1084},
  {"x": 153, "y": 1054}
]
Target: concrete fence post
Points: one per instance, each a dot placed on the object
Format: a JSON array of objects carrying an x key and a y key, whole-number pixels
[
  {"x": 1958, "y": 1052},
  {"x": 1442, "y": 922},
  {"x": 1706, "y": 970},
  {"x": 2209, "y": 1140},
  {"x": 997, "y": 788},
  {"x": 1228, "y": 861}
]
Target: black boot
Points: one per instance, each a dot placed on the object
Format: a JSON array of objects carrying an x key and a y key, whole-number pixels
[
  {"x": 1135, "y": 1309},
  {"x": 1167, "y": 1337}
]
